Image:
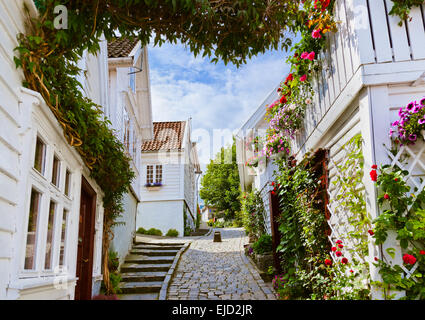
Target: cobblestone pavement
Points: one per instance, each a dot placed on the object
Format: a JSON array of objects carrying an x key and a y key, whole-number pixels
[{"x": 218, "y": 271}]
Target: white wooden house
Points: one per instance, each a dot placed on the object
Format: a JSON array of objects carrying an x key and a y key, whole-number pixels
[
  {"x": 169, "y": 185},
  {"x": 372, "y": 67},
  {"x": 130, "y": 112},
  {"x": 43, "y": 183}
]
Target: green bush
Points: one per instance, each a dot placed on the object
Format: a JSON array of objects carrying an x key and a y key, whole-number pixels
[
  {"x": 141, "y": 230},
  {"x": 154, "y": 232},
  {"x": 172, "y": 233},
  {"x": 263, "y": 244}
]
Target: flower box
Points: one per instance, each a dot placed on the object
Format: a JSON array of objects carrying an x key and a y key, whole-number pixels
[{"x": 153, "y": 186}]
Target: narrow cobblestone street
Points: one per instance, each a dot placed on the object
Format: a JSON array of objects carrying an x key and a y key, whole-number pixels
[{"x": 218, "y": 270}]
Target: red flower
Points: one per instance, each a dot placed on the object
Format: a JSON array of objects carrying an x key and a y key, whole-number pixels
[
  {"x": 373, "y": 175},
  {"x": 376, "y": 259},
  {"x": 409, "y": 259},
  {"x": 316, "y": 34},
  {"x": 422, "y": 252},
  {"x": 340, "y": 246},
  {"x": 338, "y": 253},
  {"x": 396, "y": 179},
  {"x": 351, "y": 271},
  {"x": 290, "y": 77},
  {"x": 333, "y": 249},
  {"x": 386, "y": 196},
  {"x": 338, "y": 241},
  {"x": 371, "y": 232},
  {"x": 344, "y": 260},
  {"x": 273, "y": 183},
  {"x": 374, "y": 167},
  {"x": 303, "y": 78},
  {"x": 328, "y": 262},
  {"x": 273, "y": 193},
  {"x": 283, "y": 100}
]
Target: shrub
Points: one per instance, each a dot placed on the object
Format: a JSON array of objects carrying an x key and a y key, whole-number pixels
[
  {"x": 154, "y": 232},
  {"x": 141, "y": 230},
  {"x": 263, "y": 244},
  {"x": 172, "y": 233}
]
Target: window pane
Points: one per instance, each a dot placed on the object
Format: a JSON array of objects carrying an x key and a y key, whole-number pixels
[
  {"x": 50, "y": 229},
  {"x": 40, "y": 155},
  {"x": 149, "y": 174},
  {"x": 56, "y": 171},
  {"x": 67, "y": 182},
  {"x": 30, "y": 250},
  {"x": 63, "y": 238},
  {"x": 158, "y": 176}
]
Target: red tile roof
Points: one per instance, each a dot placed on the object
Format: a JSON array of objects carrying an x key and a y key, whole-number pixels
[
  {"x": 167, "y": 136},
  {"x": 121, "y": 47}
]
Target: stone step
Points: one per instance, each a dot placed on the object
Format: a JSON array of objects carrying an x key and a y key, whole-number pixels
[
  {"x": 143, "y": 276},
  {"x": 164, "y": 244},
  {"x": 140, "y": 259},
  {"x": 154, "y": 248},
  {"x": 140, "y": 287},
  {"x": 149, "y": 252},
  {"x": 139, "y": 296},
  {"x": 136, "y": 267}
]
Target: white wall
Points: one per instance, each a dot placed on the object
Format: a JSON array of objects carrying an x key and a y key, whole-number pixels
[
  {"x": 124, "y": 233},
  {"x": 162, "y": 215}
]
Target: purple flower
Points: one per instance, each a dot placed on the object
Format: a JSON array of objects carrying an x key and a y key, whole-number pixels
[
  {"x": 412, "y": 137},
  {"x": 400, "y": 112},
  {"x": 395, "y": 123},
  {"x": 410, "y": 106},
  {"x": 421, "y": 121},
  {"x": 423, "y": 102}
]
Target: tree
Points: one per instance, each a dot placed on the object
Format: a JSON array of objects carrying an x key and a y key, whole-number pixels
[{"x": 220, "y": 184}]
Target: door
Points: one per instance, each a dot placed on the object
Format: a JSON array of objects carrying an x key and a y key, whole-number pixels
[{"x": 86, "y": 229}]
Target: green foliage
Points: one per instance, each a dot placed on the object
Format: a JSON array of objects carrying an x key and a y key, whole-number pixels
[
  {"x": 395, "y": 198},
  {"x": 141, "y": 230},
  {"x": 304, "y": 246},
  {"x": 172, "y": 233},
  {"x": 252, "y": 212},
  {"x": 263, "y": 244},
  {"x": 220, "y": 184},
  {"x": 401, "y": 8},
  {"x": 154, "y": 232},
  {"x": 114, "y": 274}
]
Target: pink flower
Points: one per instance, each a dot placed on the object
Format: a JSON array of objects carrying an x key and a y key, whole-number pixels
[
  {"x": 303, "y": 78},
  {"x": 304, "y": 55},
  {"x": 316, "y": 34},
  {"x": 311, "y": 56}
]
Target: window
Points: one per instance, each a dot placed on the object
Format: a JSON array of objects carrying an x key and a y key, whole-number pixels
[
  {"x": 67, "y": 182},
  {"x": 154, "y": 171},
  {"x": 56, "y": 171},
  {"x": 50, "y": 231},
  {"x": 126, "y": 140},
  {"x": 63, "y": 237},
  {"x": 149, "y": 174},
  {"x": 40, "y": 155},
  {"x": 30, "y": 251},
  {"x": 158, "y": 174}
]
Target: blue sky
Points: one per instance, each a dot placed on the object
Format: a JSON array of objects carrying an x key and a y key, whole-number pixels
[{"x": 214, "y": 95}]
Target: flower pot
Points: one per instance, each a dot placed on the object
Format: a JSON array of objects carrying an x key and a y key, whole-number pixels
[{"x": 153, "y": 188}]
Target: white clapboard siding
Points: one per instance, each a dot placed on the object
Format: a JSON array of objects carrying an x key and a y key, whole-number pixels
[
  {"x": 379, "y": 26},
  {"x": 400, "y": 41},
  {"x": 415, "y": 26}
]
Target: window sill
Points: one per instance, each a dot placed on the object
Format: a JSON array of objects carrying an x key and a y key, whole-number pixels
[
  {"x": 29, "y": 283},
  {"x": 153, "y": 188}
]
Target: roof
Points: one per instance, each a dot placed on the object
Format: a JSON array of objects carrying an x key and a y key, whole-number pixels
[
  {"x": 121, "y": 47},
  {"x": 167, "y": 136}
]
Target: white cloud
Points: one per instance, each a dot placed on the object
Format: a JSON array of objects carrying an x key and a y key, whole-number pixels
[{"x": 215, "y": 96}]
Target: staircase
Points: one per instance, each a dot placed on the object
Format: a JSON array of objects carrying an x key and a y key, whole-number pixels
[{"x": 145, "y": 268}]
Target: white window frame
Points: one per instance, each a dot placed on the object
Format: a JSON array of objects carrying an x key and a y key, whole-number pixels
[
  {"x": 154, "y": 173},
  {"x": 49, "y": 192}
]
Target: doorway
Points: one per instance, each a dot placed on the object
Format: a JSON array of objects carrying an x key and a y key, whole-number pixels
[{"x": 86, "y": 228}]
